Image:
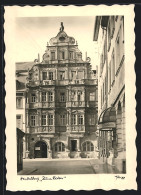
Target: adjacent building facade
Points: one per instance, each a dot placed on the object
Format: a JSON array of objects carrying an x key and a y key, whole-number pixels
[
  {"x": 61, "y": 103},
  {"x": 109, "y": 33},
  {"x": 21, "y": 75}
]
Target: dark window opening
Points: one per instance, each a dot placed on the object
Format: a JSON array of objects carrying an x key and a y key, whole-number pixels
[
  {"x": 79, "y": 97},
  {"x": 44, "y": 74},
  {"x": 73, "y": 145}
]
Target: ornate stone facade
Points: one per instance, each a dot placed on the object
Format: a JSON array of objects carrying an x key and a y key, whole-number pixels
[{"x": 61, "y": 103}]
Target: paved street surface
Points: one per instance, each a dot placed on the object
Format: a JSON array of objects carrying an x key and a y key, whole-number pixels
[{"x": 68, "y": 166}]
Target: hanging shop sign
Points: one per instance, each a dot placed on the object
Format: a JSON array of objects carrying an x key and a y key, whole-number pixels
[{"x": 37, "y": 148}]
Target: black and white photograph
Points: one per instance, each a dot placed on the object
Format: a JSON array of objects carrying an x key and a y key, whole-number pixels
[{"x": 70, "y": 98}]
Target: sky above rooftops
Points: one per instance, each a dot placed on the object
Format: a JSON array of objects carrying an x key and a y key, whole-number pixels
[{"x": 33, "y": 33}]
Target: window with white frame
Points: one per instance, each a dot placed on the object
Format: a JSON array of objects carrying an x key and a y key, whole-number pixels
[
  {"x": 62, "y": 97},
  {"x": 63, "y": 119},
  {"x": 33, "y": 98},
  {"x": 87, "y": 146},
  {"x": 44, "y": 119},
  {"x": 73, "y": 119},
  {"x": 33, "y": 120},
  {"x": 50, "y": 96},
  {"x": 80, "y": 119},
  {"x": 50, "y": 119},
  {"x": 19, "y": 102},
  {"x": 59, "y": 147},
  {"x": 50, "y": 75},
  {"x": 44, "y": 96}
]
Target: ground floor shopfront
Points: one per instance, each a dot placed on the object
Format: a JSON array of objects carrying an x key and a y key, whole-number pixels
[
  {"x": 64, "y": 145},
  {"x": 112, "y": 134}
]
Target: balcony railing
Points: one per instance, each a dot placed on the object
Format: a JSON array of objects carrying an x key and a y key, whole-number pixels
[
  {"x": 60, "y": 129},
  {"x": 33, "y": 83},
  {"x": 75, "y": 104},
  {"x": 47, "y": 82},
  {"x": 41, "y": 129},
  {"x": 77, "y": 81},
  {"x": 76, "y": 128},
  {"x": 60, "y": 104},
  {"x": 32, "y": 105},
  {"x": 62, "y": 82},
  {"x": 40, "y": 105}
]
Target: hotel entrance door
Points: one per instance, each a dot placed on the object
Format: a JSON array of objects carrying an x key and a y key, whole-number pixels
[{"x": 40, "y": 150}]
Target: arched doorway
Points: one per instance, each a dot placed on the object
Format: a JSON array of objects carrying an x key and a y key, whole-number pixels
[{"x": 40, "y": 150}]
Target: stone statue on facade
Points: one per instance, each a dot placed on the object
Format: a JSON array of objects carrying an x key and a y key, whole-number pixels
[{"x": 62, "y": 27}]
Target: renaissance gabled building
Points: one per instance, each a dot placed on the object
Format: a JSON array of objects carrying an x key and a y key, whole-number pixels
[{"x": 61, "y": 103}]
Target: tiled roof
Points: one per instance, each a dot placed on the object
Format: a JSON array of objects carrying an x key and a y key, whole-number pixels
[
  {"x": 24, "y": 66},
  {"x": 21, "y": 77},
  {"x": 22, "y": 73}
]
